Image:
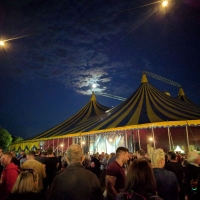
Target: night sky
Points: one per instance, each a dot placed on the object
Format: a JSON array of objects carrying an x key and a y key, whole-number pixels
[{"x": 68, "y": 45}]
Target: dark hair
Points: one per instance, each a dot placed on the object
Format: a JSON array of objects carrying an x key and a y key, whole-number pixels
[
  {"x": 49, "y": 151},
  {"x": 140, "y": 178},
  {"x": 31, "y": 153},
  {"x": 172, "y": 155},
  {"x": 120, "y": 149},
  {"x": 141, "y": 152}
]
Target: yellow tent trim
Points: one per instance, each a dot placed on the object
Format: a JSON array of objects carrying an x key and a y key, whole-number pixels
[
  {"x": 124, "y": 128},
  {"x": 144, "y": 78}
]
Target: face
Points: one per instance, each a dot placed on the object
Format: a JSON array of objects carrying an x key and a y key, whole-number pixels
[
  {"x": 125, "y": 157},
  {"x": 5, "y": 160}
]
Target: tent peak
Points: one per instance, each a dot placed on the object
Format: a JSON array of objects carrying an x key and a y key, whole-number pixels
[
  {"x": 93, "y": 97},
  {"x": 144, "y": 78},
  {"x": 181, "y": 92}
]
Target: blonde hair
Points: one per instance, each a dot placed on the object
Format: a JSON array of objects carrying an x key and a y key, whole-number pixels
[
  {"x": 26, "y": 182},
  {"x": 192, "y": 156},
  {"x": 75, "y": 154},
  {"x": 156, "y": 156}
]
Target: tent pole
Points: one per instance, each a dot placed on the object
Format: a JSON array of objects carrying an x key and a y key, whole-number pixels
[
  {"x": 188, "y": 145},
  {"x": 53, "y": 145},
  {"x": 169, "y": 138},
  {"x": 63, "y": 145},
  {"x": 126, "y": 139},
  {"x": 106, "y": 143},
  {"x": 154, "y": 145},
  {"x": 68, "y": 143},
  {"x": 139, "y": 139},
  {"x": 48, "y": 143},
  {"x": 57, "y": 146}
]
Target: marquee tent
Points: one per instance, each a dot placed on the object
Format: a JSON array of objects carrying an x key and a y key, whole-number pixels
[
  {"x": 91, "y": 109},
  {"x": 148, "y": 112}
]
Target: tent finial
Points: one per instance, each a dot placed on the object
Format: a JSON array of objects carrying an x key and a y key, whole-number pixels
[
  {"x": 93, "y": 97},
  {"x": 144, "y": 78},
  {"x": 181, "y": 92}
]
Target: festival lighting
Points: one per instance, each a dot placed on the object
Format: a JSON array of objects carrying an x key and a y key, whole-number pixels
[
  {"x": 151, "y": 139},
  {"x": 110, "y": 140},
  {"x": 61, "y": 145},
  {"x": 178, "y": 149},
  {"x": 1, "y": 43},
  {"x": 83, "y": 142},
  {"x": 165, "y": 3}
]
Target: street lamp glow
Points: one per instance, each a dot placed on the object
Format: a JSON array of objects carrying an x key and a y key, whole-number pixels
[
  {"x": 1, "y": 43},
  {"x": 165, "y": 3},
  {"x": 94, "y": 86}
]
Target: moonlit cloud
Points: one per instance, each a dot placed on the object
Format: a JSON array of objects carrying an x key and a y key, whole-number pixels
[{"x": 73, "y": 43}]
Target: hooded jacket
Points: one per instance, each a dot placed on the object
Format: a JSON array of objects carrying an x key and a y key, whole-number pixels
[{"x": 8, "y": 178}]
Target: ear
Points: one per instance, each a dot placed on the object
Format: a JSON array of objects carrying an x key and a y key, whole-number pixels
[{"x": 83, "y": 158}]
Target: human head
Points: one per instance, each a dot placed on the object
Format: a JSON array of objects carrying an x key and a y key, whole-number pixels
[
  {"x": 49, "y": 151},
  {"x": 157, "y": 157},
  {"x": 22, "y": 153},
  {"x": 37, "y": 152},
  {"x": 171, "y": 155},
  {"x": 13, "y": 153},
  {"x": 6, "y": 159},
  {"x": 122, "y": 154},
  {"x": 27, "y": 181},
  {"x": 75, "y": 154},
  {"x": 1, "y": 150},
  {"x": 193, "y": 157},
  {"x": 140, "y": 153},
  {"x": 140, "y": 178},
  {"x": 30, "y": 155}
]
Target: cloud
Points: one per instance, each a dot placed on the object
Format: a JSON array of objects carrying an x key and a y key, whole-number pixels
[{"x": 72, "y": 42}]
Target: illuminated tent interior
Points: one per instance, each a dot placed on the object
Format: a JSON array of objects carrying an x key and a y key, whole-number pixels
[{"x": 148, "y": 112}]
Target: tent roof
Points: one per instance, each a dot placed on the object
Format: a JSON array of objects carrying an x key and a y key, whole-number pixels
[
  {"x": 91, "y": 109},
  {"x": 182, "y": 97},
  {"x": 146, "y": 105}
]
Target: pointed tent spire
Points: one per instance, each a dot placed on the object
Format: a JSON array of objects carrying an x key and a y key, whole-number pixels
[
  {"x": 181, "y": 92},
  {"x": 93, "y": 97},
  {"x": 144, "y": 78}
]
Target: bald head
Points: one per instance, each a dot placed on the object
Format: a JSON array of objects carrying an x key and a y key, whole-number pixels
[{"x": 75, "y": 154}]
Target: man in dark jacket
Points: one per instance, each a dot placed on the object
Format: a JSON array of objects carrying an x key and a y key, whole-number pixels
[
  {"x": 75, "y": 182},
  {"x": 192, "y": 176},
  {"x": 8, "y": 176}
]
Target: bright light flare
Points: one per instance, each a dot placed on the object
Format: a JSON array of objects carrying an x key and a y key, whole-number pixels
[
  {"x": 61, "y": 145},
  {"x": 151, "y": 139},
  {"x": 94, "y": 85},
  {"x": 165, "y": 3},
  {"x": 1, "y": 43},
  {"x": 83, "y": 142},
  {"x": 110, "y": 140}
]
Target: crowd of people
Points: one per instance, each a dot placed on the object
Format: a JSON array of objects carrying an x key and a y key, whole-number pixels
[{"x": 119, "y": 176}]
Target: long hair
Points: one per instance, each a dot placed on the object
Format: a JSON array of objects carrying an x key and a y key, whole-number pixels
[
  {"x": 27, "y": 181},
  {"x": 140, "y": 178}
]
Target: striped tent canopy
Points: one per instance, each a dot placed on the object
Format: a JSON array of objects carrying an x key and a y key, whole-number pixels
[
  {"x": 181, "y": 96},
  {"x": 91, "y": 109},
  {"x": 146, "y": 105}
]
